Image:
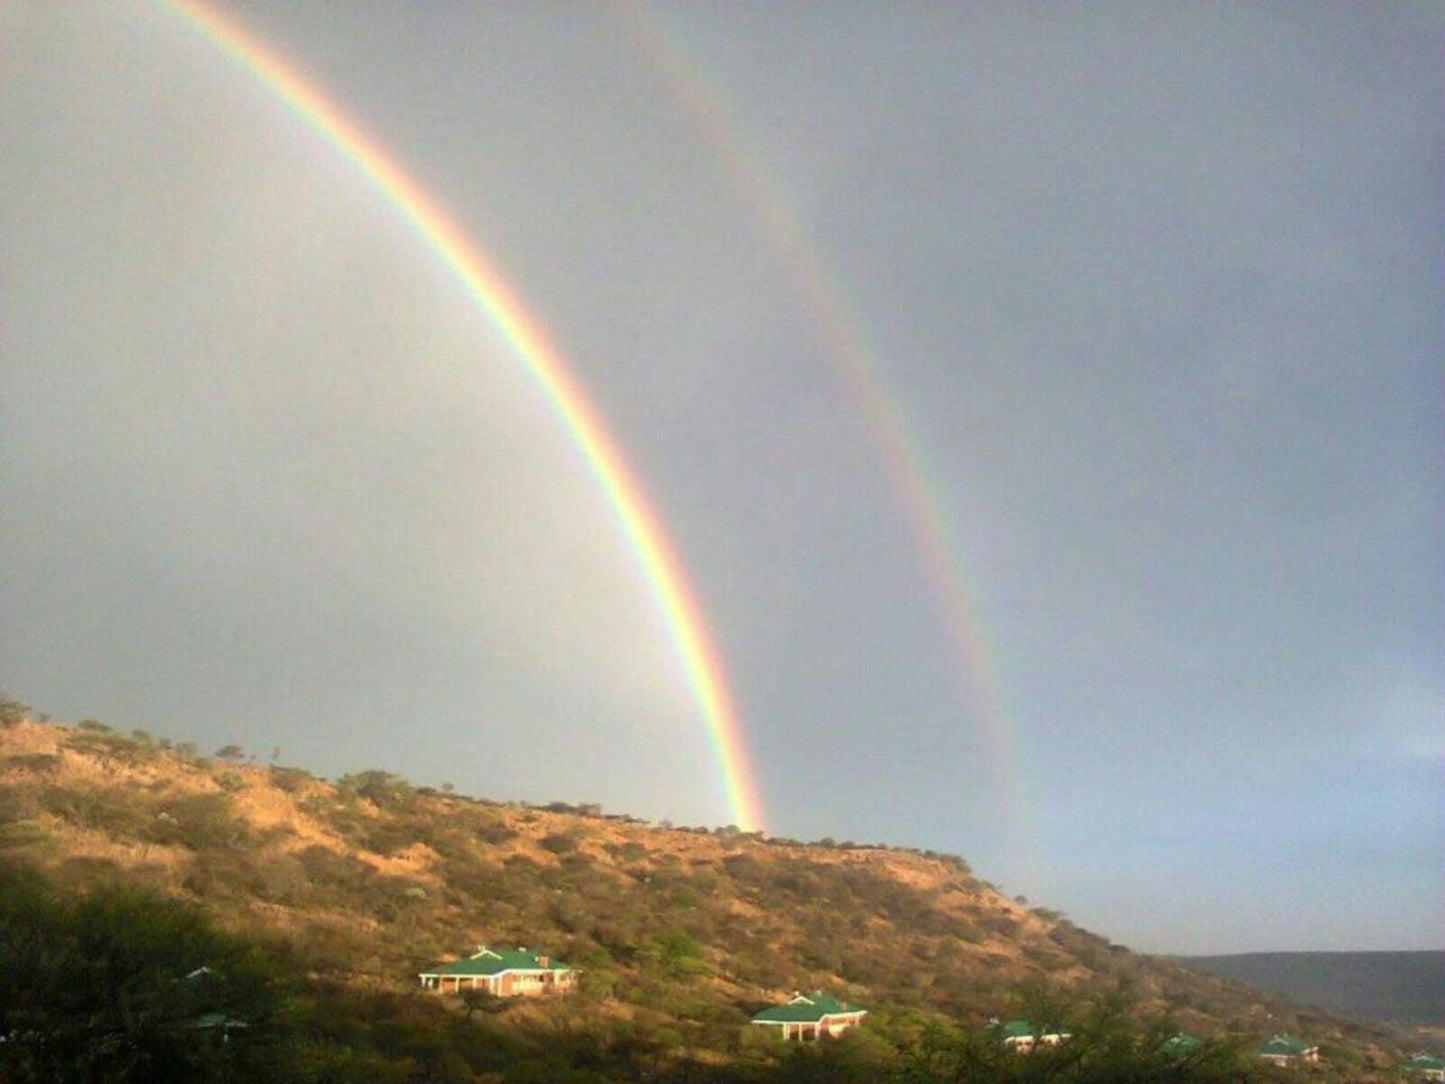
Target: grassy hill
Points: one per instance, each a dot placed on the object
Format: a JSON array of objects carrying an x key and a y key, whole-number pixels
[
  {"x": 682, "y": 933},
  {"x": 1398, "y": 987}
]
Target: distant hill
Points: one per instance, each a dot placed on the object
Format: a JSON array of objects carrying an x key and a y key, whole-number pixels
[
  {"x": 681, "y": 933},
  {"x": 1394, "y": 987}
]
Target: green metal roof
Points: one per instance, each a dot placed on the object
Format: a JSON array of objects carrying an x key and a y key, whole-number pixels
[
  {"x": 487, "y": 961},
  {"x": 1013, "y": 1029},
  {"x": 1182, "y": 1043},
  {"x": 1422, "y": 1062},
  {"x": 1286, "y": 1045},
  {"x": 806, "y": 1009}
]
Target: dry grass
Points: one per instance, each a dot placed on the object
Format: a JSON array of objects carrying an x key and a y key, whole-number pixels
[{"x": 372, "y": 879}]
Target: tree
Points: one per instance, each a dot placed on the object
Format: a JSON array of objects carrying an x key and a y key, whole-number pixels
[
  {"x": 1106, "y": 1044},
  {"x": 124, "y": 985},
  {"x": 484, "y": 1000},
  {"x": 385, "y": 790},
  {"x": 231, "y": 752}
]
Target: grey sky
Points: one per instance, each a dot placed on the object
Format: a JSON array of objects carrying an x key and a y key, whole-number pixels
[{"x": 1156, "y": 287}]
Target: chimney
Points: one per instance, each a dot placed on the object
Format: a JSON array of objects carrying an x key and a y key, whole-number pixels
[{"x": 543, "y": 961}]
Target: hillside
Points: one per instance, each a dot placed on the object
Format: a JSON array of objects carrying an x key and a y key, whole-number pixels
[
  {"x": 1396, "y": 987},
  {"x": 682, "y": 933}
]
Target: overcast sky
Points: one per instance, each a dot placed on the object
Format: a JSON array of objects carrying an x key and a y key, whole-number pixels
[{"x": 1156, "y": 291}]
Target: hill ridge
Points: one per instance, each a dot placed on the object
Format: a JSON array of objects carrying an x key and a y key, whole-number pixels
[{"x": 680, "y": 931}]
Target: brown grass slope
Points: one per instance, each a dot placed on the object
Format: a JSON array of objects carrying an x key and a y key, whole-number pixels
[{"x": 684, "y": 929}]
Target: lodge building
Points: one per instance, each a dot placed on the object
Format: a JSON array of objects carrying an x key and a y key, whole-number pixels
[{"x": 504, "y": 972}]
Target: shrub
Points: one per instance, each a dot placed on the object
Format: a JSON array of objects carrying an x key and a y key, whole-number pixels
[
  {"x": 108, "y": 985},
  {"x": 34, "y": 762},
  {"x": 631, "y": 851},
  {"x": 382, "y": 789},
  {"x": 495, "y": 833},
  {"x": 223, "y": 875},
  {"x": 289, "y": 780},
  {"x": 387, "y": 837},
  {"x": 559, "y": 843},
  {"x": 17, "y": 834},
  {"x": 201, "y": 822},
  {"x": 114, "y": 811}
]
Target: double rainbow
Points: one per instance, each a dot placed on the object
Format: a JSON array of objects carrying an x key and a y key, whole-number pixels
[
  {"x": 941, "y": 551},
  {"x": 499, "y": 303}
]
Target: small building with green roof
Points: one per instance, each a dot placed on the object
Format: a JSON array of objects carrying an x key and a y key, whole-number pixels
[
  {"x": 1023, "y": 1036},
  {"x": 503, "y": 972},
  {"x": 1426, "y": 1067},
  {"x": 1285, "y": 1050},
  {"x": 812, "y": 1016},
  {"x": 1180, "y": 1044}
]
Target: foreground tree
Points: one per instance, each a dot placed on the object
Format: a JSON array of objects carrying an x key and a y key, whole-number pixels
[{"x": 122, "y": 985}]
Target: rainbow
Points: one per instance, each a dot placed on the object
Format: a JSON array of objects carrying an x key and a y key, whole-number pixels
[
  {"x": 923, "y": 501},
  {"x": 500, "y": 304}
]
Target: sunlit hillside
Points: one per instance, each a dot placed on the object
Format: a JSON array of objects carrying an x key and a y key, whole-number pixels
[{"x": 682, "y": 933}]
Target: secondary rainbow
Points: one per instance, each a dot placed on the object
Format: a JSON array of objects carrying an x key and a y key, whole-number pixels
[
  {"x": 487, "y": 289},
  {"x": 923, "y": 500}
]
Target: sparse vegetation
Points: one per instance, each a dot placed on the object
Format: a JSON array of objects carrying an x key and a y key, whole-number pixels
[
  {"x": 13, "y": 712},
  {"x": 681, "y": 933}
]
